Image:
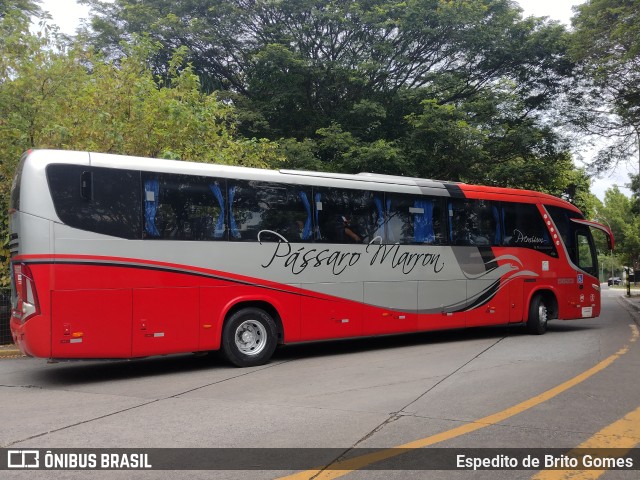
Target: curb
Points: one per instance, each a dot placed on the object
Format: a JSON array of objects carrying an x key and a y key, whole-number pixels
[
  {"x": 10, "y": 351},
  {"x": 634, "y": 306}
]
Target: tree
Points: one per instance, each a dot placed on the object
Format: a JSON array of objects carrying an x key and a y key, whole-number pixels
[
  {"x": 22, "y": 8},
  {"x": 606, "y": 44},
  {"x": 70, "y": 98},
  {"x": 617, "y": 213},
  {"x": 451, "y": 90},
  {"x": 15, "y": 38}
]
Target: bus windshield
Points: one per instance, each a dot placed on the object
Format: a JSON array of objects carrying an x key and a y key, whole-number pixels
[{"x": 578, "y": 239}]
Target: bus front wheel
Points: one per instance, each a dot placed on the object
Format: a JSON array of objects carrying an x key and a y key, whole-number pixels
[
  {"x": 249, "y": 337},
  {"x": 538, "y": 315}
]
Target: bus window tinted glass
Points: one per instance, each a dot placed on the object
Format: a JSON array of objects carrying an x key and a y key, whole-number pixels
[
  {"x": 183, "y": 207},
  {"x": 474, "y": 222},
  {"x": 100, "y": 200},
  {"x": 411, "y": 219},
  {"x": 14, "y": 201},
  {"x": 586, "y": 251},
  {"x": 348, "y": 216},
  {"x": 562, "y": 219},
  {"x": 271, "y": 211},
  {"x": 524, "y": 227}
]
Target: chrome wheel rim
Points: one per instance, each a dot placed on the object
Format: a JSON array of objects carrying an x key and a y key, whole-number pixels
[
  {"x": 251, "y": 337},
  {"x": 542, "y": 314}
]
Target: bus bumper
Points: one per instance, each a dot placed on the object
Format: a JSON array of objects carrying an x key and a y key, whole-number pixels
[{"x": 32, "y": 337}]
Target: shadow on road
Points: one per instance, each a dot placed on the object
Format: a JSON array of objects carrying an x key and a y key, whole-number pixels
[{"x": 93, "y": 371}]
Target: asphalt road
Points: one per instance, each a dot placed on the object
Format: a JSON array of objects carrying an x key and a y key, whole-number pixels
[{"x": 479, "y": 388}]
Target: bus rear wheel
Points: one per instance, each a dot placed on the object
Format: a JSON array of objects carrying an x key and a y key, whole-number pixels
[
  {"x": 539, "y": 312},
  {"x": 249, "y": 337}
]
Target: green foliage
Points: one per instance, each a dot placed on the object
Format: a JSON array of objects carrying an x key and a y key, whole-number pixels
[
  {"x": 52, "y": 97},
  {"x": 22, "y": 8},
  {"x": 444, "y": 89},
  {"x": 453, "y": 90},
  {"x": 617, "y": 213},
  {"x": 610, "y": 264},
  {"x": 635, "y": 191},
  {"x": 86, "y": 103},
  {"x": 16, "y": 47},
  {"x": 606, "y": 44},
  {"x": 487, "y": 140}
]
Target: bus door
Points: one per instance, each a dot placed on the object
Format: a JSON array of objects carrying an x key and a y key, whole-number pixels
[
  {"x": 597, "y": 226},
  {"x": 580, "y": 248},
  {"x": 586, "y": 259}
]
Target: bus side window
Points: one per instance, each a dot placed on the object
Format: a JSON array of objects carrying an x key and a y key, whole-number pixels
[
  {"x": 474, "y": 222},
  {"x": 379, "y": 233},
  {"x": 347, "y": 216},
  {"x": 151, "y": 201},
  {"x": 524, "y": 227},
  {"x": 486, "y": 231},
  {"x": 399, "y": 218},
  {"x": 561, "y": 218},
  {"x": 585, "y": 248},
  {"x": 183, "y": 207},
  {"x": 462, "y": 219},
  {"x": 306, "y": 226},
  {"x": 216, "y": 190},
  {"x": 97, "y": 199},
  {"x": 166, "y": 222},
  {"x": 413, "y": 219},
  {"x": 269, "y": 212}
]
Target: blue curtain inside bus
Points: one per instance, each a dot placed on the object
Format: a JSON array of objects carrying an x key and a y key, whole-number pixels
[
  {"x": 219, "y": 228},
  {"x": 450, "y": 210},
  {"x": 151, "y": 200},
  {"x": 496, "y": 218},
  {"x": 233, "y": 226},
  {"x": 380, "y": 230},
  {"x": 306, "y": 231},
  {"x": 318, "y": 199},
  {"x": 423, "y": 222}
]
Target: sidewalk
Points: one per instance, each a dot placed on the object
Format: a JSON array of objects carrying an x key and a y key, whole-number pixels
[{"x": 633, "y": 301}]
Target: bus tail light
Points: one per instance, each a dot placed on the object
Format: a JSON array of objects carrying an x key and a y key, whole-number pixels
[{"x": 27, "y": 304}]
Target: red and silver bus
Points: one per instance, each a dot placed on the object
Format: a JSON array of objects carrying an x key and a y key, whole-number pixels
[{"x": 123, "y": 257}]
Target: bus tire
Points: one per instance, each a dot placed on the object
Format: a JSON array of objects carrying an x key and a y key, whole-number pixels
[
  {"x": 538, "y": 315},
  {"x": 249, "y": 337}
]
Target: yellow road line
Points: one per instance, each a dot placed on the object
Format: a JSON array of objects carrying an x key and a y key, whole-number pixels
[
  {"x": 344, "y": 467},
  {"x": 623, "y": 434}
]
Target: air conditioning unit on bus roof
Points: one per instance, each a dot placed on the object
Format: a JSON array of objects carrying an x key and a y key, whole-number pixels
[
  {"x": 397, "y": 178},
  {"x": 370, "y": 177}
]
